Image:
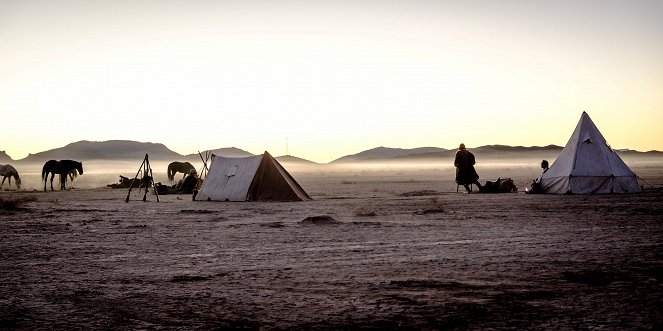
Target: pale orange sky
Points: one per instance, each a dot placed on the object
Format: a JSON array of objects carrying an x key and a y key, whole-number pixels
[{"x": 333, "y": 77}]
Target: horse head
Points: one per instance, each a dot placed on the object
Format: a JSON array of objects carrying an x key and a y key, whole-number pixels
[
  {"x": 79, "y": 167},
  {"x": 18, "y": 182}
]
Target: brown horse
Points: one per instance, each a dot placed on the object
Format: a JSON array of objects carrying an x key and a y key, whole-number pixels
[
  {"x": 175, "y": 167},
  {"x": 62, "y": 168},
  {"x": 7, "y": 171}
]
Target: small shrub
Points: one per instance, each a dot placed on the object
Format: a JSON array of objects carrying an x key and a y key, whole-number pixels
[
  {"x": 365, "y": 212},
  {"x": 435, "y": 210},
  {"x": 320, "y": 220},
  {"x": 15, "y": 203},
  {"x": 420, "y": 193}
]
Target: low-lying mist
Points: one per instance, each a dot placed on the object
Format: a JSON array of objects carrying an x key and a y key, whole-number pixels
[{"x": 100, "y": 173}]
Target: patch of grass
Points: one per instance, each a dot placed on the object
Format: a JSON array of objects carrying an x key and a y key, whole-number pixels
[
  {"x": 320, "y": 220},
  {"x": 435, "y": 210},
  {"x": 273, "y": 225},
  {"x": 365, "y": 212},
  {"x": 420, "y": 193},
  {"x": 14, "y": 203}
]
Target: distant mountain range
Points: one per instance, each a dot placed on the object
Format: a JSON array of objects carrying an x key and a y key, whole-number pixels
[
  {"x": 129, "y": 150},
  {"x": 432, "y": 153},
  {"x": 227, "y": 152},
  {"x": 380, "y": 153},
  {"x": 133, "y": 150},
  {"x": 105, "y": 150}
]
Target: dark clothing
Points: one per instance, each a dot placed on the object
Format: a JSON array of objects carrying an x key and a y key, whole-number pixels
[
  {"x": 189, "y": 184},
  {"x": 536, "y": 184},
  {"x": 464, "y": 163}
]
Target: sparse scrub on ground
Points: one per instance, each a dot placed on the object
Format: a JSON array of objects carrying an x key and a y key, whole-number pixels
[
  {"x": 420, "y": 193},
  {"x": 435, "y": 207},
  {"x": 365, "y": 212},
  {"x": 13, "y": 203}
]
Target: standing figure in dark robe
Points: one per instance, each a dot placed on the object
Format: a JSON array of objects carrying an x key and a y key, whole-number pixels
[{"x": 465, "y": 173}]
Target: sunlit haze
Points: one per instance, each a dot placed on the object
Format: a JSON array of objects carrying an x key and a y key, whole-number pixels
[{"x": 330, "y": 77}]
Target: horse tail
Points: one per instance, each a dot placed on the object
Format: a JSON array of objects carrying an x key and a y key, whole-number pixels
[
  {"x": 171, "y": 172},
  {"x": 43, "y": 171}
]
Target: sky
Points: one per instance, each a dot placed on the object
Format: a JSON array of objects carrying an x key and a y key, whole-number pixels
[{"x": 323, "y": 79}]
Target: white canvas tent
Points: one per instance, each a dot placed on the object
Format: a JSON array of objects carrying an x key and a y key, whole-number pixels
[
  {"x": 253, "y": 178},
  {"x": 588, "y": 165}
]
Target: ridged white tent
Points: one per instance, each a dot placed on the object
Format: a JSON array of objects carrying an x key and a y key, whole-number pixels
[
  {"x": 253, "y": 178},
  {"x": 587, "y": 165}
]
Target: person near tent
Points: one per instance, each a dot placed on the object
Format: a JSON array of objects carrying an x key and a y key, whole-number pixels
[
  {"x": 190, "y": 182},
  {"x": 544, "y": 165},
  {"x": 465, "y": 172},
  {"x": 536, "y": 184}
]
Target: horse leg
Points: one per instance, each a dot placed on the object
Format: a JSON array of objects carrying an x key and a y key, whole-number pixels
[
  {"x": 63, "y": 180},
  {"x": 52, "y": 175},
  {"x": 3, "y": 182}
]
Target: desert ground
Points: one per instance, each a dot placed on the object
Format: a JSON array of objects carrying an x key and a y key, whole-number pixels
[{"x": 378, "y": 247}]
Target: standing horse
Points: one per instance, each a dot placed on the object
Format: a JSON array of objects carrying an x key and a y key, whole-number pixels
[
  {"x": 62, "y": 168},
  {"x": 175, "y": 167},
  {"x": 7, "y": 171}
]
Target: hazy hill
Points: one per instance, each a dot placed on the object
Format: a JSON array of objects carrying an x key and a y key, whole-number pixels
[
  {"x": 225, "y": 152},
  {"x": 435, "y": 153},
  {"x": 105, "y": 150},
  {"x": 133, "y": 150},
  {"x": 236, "y": 152},
  {"x": 293, "y": 160},
  {"x": 549, "y": 152},
  {"x": 630, "y": 152},
  {"x": 488, "y": 152},
  {"x": 503, "y": 151},
  {"x": 382, "y": 153},
  {"x": 4, "y": 158}
]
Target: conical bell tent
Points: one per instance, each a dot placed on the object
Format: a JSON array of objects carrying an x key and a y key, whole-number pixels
[{"x": 587, "y": 165}]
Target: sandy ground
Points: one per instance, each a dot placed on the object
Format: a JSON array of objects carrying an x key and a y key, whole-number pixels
[{"x": 402, "y": 250}]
